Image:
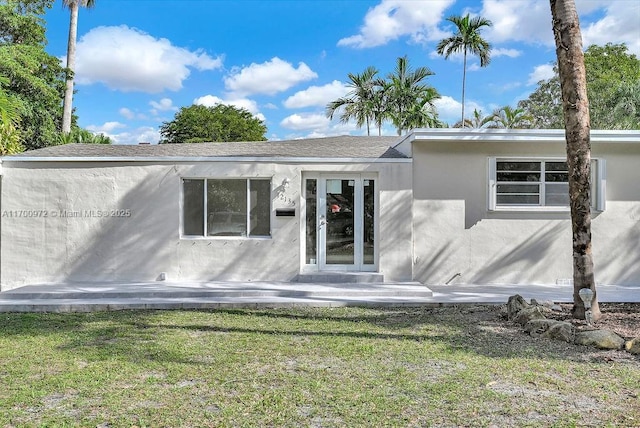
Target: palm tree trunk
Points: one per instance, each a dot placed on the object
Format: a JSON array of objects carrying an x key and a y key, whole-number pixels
[
  {"x": 71, "y": 63},
  {"x": 464, "y": 78},
  {"x": 573, "y": 83}
]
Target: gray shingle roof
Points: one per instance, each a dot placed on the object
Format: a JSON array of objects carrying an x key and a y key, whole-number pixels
[{"x": 330, "y": 147}]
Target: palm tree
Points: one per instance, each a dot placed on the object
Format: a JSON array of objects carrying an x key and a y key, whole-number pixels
[
  {"x": 575, "y": 108},
  {"x": 508, "y": 117},
  {"x": 379, "y": 104},
  {"x": 422, "y": 114},
  {"x": 73, "y": 6},
  {"x": 466, "y": 40},
  {"x": 476, "y": 122},
  {"x": 409, "y": 101},
  {"x": 362, "y": 103}
]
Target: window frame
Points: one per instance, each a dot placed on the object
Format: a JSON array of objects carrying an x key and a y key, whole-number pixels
[
  {"x": 206, "y": 213},
  {"x": 598, "y": 185}
]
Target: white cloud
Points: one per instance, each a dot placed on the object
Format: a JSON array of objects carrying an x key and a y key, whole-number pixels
[
  {"x": 250, "y": 105},
  {"x": 315, "y": 134},
  {"x": 392, "y": 19},
  {"x": 620, "y": 24},
  {"x": 300, "y": 122},
  {"x": 127, "y": 113},
  {"x": 144, "y": 134},
  {"x": 164, "y": 104},
  {"x": 541, "y": 72},
  {"x": 209, "y": 101},
  {"x": 450, "y": 110},
  {"x": 106, "y": 128},
  {"x": 129, "y": 60},
  {"x": 269, "y": 78},
  {"x": 333, "y": 129},
  {"x": 317, "y": 95},
  {"x": 518, "y": 20},
  {"x": 529, "y": 21},
  {"x": 511, "y": 53}
]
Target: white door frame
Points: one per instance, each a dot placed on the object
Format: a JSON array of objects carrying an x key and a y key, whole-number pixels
[{"x": 321, "y": 228}]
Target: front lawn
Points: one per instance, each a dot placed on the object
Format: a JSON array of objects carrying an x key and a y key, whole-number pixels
[{"x": 449, "y": 366}]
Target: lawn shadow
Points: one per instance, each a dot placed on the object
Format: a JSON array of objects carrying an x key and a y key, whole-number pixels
[{"x": 137, "y": 335}]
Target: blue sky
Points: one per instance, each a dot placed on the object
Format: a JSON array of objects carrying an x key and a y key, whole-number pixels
[{"x": 139, "y": 61}]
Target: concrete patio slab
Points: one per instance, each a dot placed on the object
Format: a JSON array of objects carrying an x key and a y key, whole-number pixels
[{"x": 87, "y": 297}]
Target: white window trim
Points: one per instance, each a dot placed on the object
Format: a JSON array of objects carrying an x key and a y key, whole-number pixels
[
  {"x": 218, "y": 237},
  {"x": 598, "y": 178}
]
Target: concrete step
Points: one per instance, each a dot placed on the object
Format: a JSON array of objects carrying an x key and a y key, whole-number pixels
[
  {"x": 340, "y": 277},
  {"x": 215, "y": 290},
  {"x": 160, "y": 295},
  {"x": 94, "y": 305},
  {"x": 108, "y": 297}
]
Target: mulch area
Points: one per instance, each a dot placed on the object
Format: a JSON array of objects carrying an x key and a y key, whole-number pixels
[{"x": 622, "y": 318}]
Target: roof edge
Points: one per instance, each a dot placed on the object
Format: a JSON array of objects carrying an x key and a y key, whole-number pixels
[
  {"x": 155, "y": 159},
  {"x": 537, "y": 135}
]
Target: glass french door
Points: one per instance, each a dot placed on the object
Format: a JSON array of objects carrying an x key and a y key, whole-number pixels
[{"x": 341, "y": 222}]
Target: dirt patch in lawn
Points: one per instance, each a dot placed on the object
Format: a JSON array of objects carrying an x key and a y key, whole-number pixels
[{"x": 621, "y": 318}]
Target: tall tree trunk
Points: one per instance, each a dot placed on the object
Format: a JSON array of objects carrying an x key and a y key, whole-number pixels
[
  {"x": 71, "y": 64},
  {"x": 575, "y": 106},
  {"x": 464, "y": 78}
]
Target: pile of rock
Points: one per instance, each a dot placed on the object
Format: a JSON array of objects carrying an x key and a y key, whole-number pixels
[{"x": 532, "y": 317}]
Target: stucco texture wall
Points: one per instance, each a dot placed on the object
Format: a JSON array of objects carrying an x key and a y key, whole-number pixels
[
  {"x": 458, "y": 240},
  {"x": 52, "y": 238}
]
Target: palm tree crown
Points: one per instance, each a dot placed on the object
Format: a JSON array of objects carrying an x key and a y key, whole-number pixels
[
  {"x": 477, "y": 121},
  {"x": 403, "y": 98},
  {"x": 508, "y": 117},
  {"x": 466, "y": 40},
  {"x": 73, "y": 6},
  {"x": 409, "y": 100},
  {"x": 362, "y": 102}
]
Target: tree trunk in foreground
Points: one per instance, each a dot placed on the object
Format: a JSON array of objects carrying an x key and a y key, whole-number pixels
[
  {"x": 575, "y": 106},
  {"x": 67, "y": 108}
]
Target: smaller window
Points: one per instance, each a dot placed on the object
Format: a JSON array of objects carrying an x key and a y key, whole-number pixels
[
  {"x": 226, "y": 207},
  {"x": 537, "y": 184}
]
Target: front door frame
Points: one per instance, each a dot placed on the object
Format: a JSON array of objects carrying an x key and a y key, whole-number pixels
[{"x": 320, "y": 261}]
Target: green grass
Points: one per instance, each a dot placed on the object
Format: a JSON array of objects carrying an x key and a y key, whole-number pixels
[{"x": 301, "y": 367}]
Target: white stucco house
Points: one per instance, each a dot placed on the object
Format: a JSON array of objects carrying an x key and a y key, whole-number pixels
[{"x": 439, "y": 206}]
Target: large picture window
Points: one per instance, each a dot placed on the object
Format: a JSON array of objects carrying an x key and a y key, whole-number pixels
[
  {"x": 538, "y": 183},
  {"x": 226, "y": 207}
]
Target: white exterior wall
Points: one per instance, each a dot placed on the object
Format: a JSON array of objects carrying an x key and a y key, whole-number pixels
[
  {"x": 50, "y": 239},
  {"x": 459, "y": 241}
]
